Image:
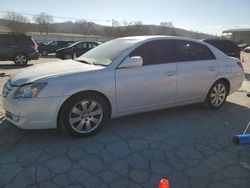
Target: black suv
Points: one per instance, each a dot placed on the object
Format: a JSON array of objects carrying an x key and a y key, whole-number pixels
[
  {"x": 75, "y": 50},
  {"x": 52, "y": 46},
  {"x": 226, "y": 46},
  {"x": 17, "y": 47}
]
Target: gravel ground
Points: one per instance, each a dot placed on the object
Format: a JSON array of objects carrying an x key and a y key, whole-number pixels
[{"x": 188, "y": 145}]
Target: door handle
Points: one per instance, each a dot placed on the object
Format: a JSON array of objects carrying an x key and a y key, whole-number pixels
[
  {"x": 170, "y": 73},
  {"x": 211, "y": 68}
]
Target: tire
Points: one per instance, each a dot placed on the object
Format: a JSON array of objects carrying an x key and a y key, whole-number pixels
[
  {"x": 20, "y": 59},
  {"x": 217, "y": 95},
  {"x": 67, "y": 56},
  {"x": 83, "y": 115},
  {"x": 44, "y": 52}
]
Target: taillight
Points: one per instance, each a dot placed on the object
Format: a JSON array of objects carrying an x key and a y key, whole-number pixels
[
  {"x": 34, "y": 46},
  {"x": 240, "y": 64}
]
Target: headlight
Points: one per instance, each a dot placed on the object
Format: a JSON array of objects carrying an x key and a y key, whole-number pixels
[{"x": 29, "y": 90}]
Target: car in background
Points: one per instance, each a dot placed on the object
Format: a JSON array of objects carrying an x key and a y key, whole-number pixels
[
  {"x": 242, "y": 46},
  {"x": 247, "y": 49},
  {"x": 120, "y": 77},
  {"x": 226, "y": 46},
  {"x": 75, "y": 50},
  {"x": 17, "y": 47},
  {"x": 52, "y": 46}
]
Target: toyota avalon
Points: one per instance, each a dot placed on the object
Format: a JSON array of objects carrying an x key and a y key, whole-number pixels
[{"x": 120, "y": 77}]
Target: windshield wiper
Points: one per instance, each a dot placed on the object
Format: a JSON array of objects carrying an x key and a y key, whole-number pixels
[
  {"x": 83, "y": 61},
  {"x": 99, "y": 64}
]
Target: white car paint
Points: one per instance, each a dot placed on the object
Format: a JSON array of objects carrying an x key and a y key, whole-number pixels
[{"x": 129, "y": 90}]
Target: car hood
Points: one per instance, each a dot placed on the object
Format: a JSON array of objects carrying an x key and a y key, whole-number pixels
[{"x": 51, "y": 69}]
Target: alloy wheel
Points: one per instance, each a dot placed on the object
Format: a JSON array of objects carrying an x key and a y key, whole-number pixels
[
  {"x": 21, "y": 60},
  {"x": 218, "y": 94},
  {"x": 85, "y": 116}
]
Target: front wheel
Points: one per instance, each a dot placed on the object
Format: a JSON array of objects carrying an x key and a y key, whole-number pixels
[
  {"x": 217, "y": 95},
  {"x": 83, "y": 115}
]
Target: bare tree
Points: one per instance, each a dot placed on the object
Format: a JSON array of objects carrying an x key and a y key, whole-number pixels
[
  {"x": 167, "y": 24},
  {"x": 16, "y": 22},
  {"x": 80, "y": 27},
  {"x": 44, "y": 22}
]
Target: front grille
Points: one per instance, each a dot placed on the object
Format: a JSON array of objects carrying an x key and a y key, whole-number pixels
[{"x": 7, "y": 89}]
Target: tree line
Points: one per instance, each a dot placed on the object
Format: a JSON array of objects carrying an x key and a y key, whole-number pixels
[{"x": 44, "y": 23}]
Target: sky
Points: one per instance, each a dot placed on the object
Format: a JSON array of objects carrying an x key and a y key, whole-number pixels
[{"x": 208, "y": 16}]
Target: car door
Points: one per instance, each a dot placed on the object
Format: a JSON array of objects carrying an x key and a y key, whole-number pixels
[
  {"x": 150, "y": 86},
  {"x": 197, "y": 67},
  {"x": 80, "y": 48}
]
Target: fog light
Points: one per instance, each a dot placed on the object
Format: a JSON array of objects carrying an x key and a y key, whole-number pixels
[
  {"x": 12, "y": 116},
  {"x": 15, "y": 118}
]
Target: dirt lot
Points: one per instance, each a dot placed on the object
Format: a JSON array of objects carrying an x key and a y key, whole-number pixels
[{"x": 188, "y": 145}]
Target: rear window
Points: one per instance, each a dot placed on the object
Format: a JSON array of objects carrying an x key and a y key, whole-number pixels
[
  {"x": 23, "y": 39},
  {"x": 224, "y": 46}
]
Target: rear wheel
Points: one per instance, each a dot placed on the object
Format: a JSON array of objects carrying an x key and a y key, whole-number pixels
[
  {"x": 217, "y": 95},
  {"x": 20, "y": 59},
  {"x": 83, "y": 115}
]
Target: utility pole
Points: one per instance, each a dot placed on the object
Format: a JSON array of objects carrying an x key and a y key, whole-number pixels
[{"x": 112, "y": 27}]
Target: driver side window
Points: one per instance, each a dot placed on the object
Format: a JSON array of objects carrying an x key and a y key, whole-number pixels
[{"x": 154, "y": 52}]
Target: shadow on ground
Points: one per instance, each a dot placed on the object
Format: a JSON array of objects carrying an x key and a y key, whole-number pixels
[{"x": 13, "y": 66}]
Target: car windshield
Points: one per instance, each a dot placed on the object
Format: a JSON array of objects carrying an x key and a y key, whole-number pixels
[{"x": 107, "y": 52}]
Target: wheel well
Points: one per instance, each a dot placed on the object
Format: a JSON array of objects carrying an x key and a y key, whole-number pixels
[
  {"x": 13, "y": 56},
  {"x": 89, "y": 92},
  {"x": 226, "y": 82}
]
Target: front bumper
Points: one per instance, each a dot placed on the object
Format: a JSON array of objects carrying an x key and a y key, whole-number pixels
[{"x": 33, "y": 113}]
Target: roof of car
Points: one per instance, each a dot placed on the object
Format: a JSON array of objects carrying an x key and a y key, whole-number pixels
[
  {"x": 217, "y": 40},
  {"x": 148, "y": 37}
]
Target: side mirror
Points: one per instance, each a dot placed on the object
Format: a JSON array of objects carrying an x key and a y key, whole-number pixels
[{"x": 130, "y": 62}]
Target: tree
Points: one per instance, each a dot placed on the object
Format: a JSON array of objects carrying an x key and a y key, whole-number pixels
[
  {"x": 80, "y": 27},
  {"x": 167, "y": 24},
  {"x": 44, "y": 22},
  {"x": 16, "y": 22}
]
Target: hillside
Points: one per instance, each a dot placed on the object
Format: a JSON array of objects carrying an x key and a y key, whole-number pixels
[{"x": 90, "y": 28}]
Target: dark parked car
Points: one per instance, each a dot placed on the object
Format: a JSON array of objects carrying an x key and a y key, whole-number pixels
[
  {"x": 247, "y": 50},
  {"x": 17, "y": 47},
  {"x": 52, "y": 46},
  {"x": 226, "y": 46},
  {"x": 75, "y": 50}
]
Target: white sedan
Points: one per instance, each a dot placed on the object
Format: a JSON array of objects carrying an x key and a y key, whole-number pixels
[{"x": 120, "y": 77}]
